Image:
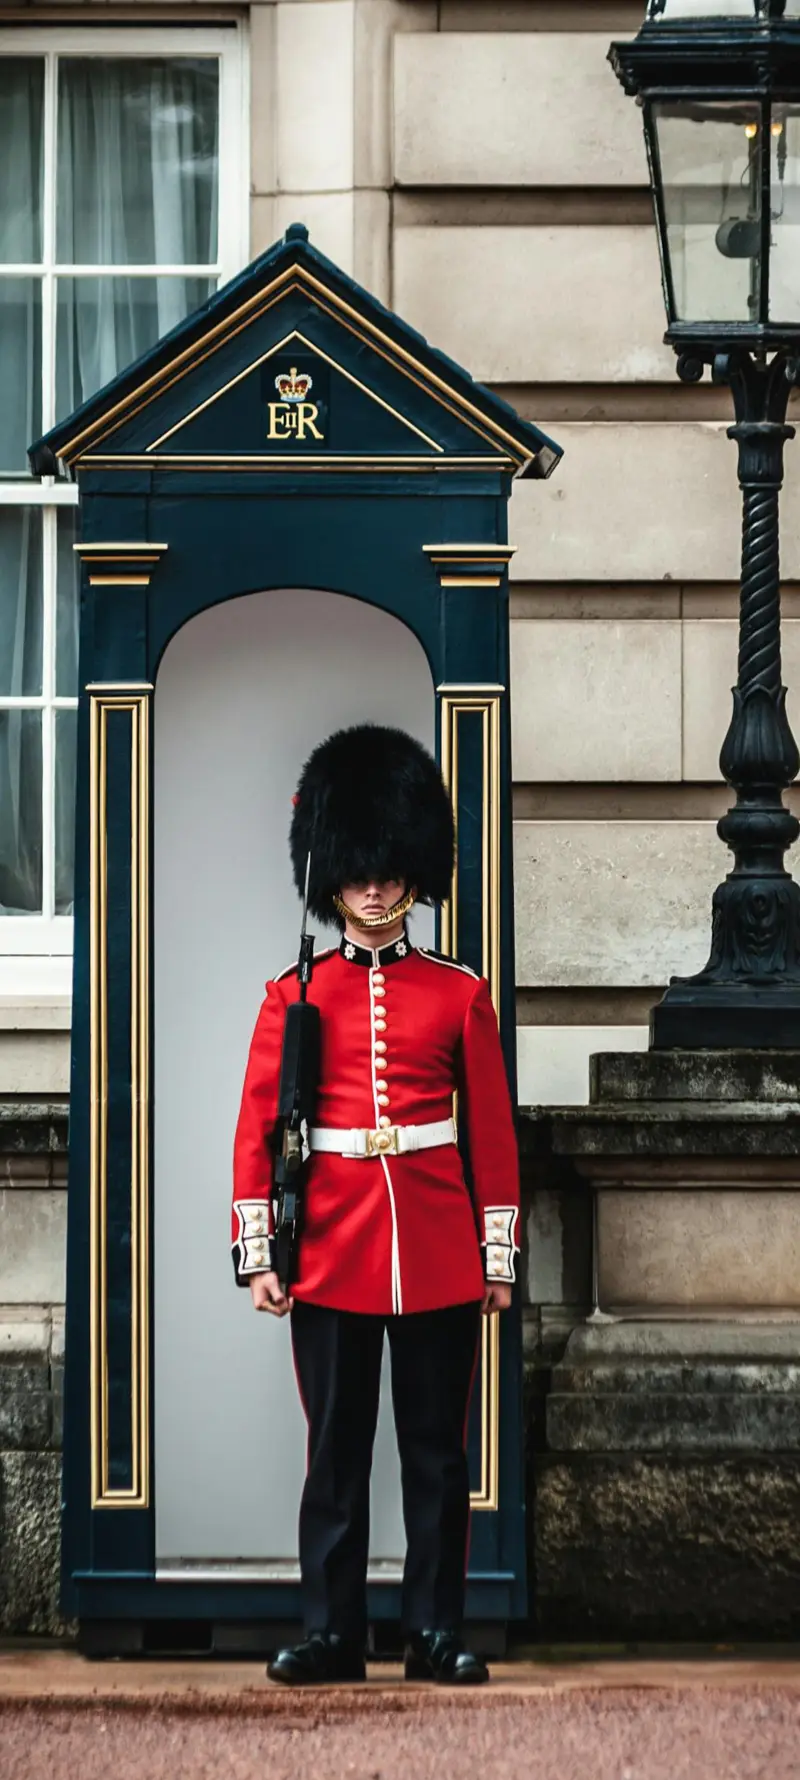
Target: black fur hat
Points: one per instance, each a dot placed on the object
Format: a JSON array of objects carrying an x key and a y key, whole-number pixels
[{"x": 371, "y": 804}]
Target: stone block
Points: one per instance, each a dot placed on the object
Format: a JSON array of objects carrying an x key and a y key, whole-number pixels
[
  {"x": 329, "y": 216},
  {"x": 32, "y": 1247},
  {"x": 25, "y": 1408},
  {"x": 25, "y": 1334},
  {"x": 638, "y": 501},
  {"x": 378, "y": 23},
  {"x": 263, "y": 98},
  {"x": 314, "y": 45},
  {"x": 710, "y": 649},
  {"x": 372, "y": 243},
  {"x": 513, "y": 109},
  {"x": 557, "y": 1249},
  {"x": 34, "y": 1062},
  {"x": 553, "y": 1061},
  {"x": 600, "y": 903},
  {"x": 263, "y": 227},
  {"x": 30, "y": 1526},
  {"x": 699, "y": 1248},
  {"x": 605, "y": 673},
  {"x": 667, "y": 1547},
  {"x": 537, "y": 305},
  {"x": 57, "y": 1407}
]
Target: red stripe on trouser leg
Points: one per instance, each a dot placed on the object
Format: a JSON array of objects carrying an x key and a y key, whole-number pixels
[
  {"x": 303, "y": 1404},
  {"x": 466, "y": 1432}
]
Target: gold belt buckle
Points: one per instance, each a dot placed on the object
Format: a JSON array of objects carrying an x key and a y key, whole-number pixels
[{"x": 383, "y": 1143}]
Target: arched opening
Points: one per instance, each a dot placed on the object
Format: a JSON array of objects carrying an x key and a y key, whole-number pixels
[{"x": 244, "y": 691}]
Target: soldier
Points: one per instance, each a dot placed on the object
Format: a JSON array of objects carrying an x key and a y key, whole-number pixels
[{"x": 393, "y": 1242}]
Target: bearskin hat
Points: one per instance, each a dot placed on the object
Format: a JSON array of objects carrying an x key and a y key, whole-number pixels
[{"x": 371, "y": 804}]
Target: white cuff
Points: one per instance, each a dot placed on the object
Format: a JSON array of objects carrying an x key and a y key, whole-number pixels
[
  {"x": 500, "y": 1226},
  {"x": 252, "y": 1244}
]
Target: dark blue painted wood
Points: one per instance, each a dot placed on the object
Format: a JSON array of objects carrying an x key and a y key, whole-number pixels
[{"x": 231, "y": 530}]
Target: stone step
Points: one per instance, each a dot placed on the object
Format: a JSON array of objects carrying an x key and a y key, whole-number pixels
[
  {"x": 674, "y": 1422},
  {"x": 616, "y": 1378},
  {"x": 694, "y": 1076}
]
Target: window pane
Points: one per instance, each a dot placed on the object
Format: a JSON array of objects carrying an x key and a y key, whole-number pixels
[
  {"x": 20, "y": 601},
  {"x": 21, "y": 118},
  {"x": 103, "y": 324},
  {"x": 137, "y": 161},
  {"x": 67, "y": 605},
  {"x": 21, "y": 338},
  {"x": 20, "y": 812},
  {"x": 66, "y": 739}
]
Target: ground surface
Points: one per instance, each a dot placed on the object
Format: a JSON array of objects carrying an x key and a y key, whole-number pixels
[{"x": 646, "y": 1720}]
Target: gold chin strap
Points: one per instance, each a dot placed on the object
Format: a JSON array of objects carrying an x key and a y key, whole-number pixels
[{"x": 368, "y": 922}]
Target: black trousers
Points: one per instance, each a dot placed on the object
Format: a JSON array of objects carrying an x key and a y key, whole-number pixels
[{"x": 337, "y": 1357}]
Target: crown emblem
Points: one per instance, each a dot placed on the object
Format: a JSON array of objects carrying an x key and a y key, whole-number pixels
[{"x": 293, "y": 385}]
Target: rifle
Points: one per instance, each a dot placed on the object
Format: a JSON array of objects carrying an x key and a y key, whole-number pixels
[{"x": 297, "y": 1096}]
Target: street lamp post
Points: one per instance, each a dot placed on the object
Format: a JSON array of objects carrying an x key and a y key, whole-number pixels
[{"x": 719, "y": 84}]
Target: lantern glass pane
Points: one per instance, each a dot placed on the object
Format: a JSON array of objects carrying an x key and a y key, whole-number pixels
[
  {"x": 784, "y": 256},
  {"x": 710, "y": 164}
]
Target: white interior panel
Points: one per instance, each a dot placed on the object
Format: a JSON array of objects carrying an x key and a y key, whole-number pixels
[{"x": 244, "y": 692}]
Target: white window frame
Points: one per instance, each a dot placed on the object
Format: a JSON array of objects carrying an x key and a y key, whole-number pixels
[{"x": 35, "y": 950}]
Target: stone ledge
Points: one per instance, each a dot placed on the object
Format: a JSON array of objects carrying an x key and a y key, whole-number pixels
[
  {"x": 33, "y": 1127},
  {"x": 31, "y": 1013},
  {"x": 647, "y": 1418},
  {"x": 747, "y": 1077},
  {"x": 687, "y": 1337},
  {"x": 682, "y": 1128}
]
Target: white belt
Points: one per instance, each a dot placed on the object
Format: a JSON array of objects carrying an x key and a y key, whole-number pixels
[{"x": 392, "y": 1140}]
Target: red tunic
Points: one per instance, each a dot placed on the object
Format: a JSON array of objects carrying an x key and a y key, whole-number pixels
[{"x": 402, "y": 1029}]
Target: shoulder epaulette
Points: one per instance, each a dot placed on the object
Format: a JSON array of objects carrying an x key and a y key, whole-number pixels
[
  {"x": 291, "y": 969},
  {"x": 453, "y": 963}
]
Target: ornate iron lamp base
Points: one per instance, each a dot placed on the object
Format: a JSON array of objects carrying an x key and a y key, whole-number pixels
[{"x": 748, "y": 995}]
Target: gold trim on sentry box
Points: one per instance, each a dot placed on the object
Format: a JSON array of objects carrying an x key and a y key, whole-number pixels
[
  {"x": 457, "y": 564},
  {"x": 109, "y": 559},
  {"x": 119, "y": 580},
  {"x": 459, "y": 701},
  {"x": 106, "y": 703},
  {"x": 296, "y": 277},
  {"x": 271, "y": 353},
  {"x": 275, "y": 461}
]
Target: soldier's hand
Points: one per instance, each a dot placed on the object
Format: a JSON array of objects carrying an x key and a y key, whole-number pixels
[
  {"x": 496, "y": 1297},
  {"x": 265, "y": 1291}
]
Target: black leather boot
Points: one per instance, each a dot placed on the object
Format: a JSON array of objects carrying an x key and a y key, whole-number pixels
[
  {"x": 440, "y": 1656},
  {"x": 322, "y": 1657}
]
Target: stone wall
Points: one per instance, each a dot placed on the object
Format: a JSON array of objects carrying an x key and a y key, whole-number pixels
[{"x": 33, "y": 1153}]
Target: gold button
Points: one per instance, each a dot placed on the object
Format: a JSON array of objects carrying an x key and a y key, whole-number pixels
[
  {"x": 378, "y": 991},
  {"x": 380, "y": 1063},
  {"x": 383, "y": 1121},
  {"x": 380, "y": 1046},
  {"x": 380, "y": 1025},
  {"x": 378, "y": 976}
]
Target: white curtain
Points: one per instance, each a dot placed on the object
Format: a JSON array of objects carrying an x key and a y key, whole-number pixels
[
  {"x": 136, "y": 171},
  {"x": 137, "y": 185},
  {"x": 21, "y": 112}
]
